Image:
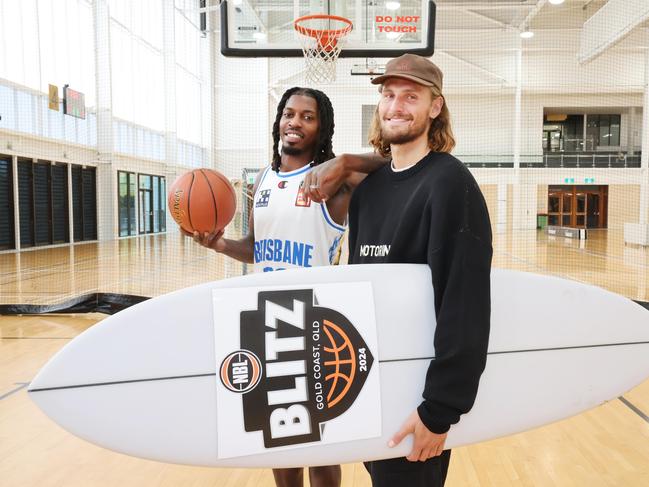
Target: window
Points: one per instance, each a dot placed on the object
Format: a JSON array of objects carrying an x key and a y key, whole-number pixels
[
  {"x": 84, "y": 203},
  {"x": 603, "y": 131},
  {"x": 126, "y": 203},
  {"x": 6, "y": 204},
  {"x": 562, "y": 132},
  {"x": 60, "y": 218}
]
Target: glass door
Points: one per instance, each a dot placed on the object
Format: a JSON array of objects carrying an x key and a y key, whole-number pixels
[
  {"x": 146, "y": 204},
  {"x": 146, "y": 212},
  {"x": 580, "y": 213},
  {"x": 554, "y": 209}
]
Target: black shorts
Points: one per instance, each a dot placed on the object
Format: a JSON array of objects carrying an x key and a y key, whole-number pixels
[{"x": 398, "y": 472}]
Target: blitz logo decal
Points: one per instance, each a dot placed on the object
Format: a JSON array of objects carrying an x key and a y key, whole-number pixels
[
  {"x": 264, "y": 197},
  {"x": 313, "y": 364}
]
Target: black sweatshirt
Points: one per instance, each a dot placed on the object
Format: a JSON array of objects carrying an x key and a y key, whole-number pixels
[{"x": 434, "y": 213}]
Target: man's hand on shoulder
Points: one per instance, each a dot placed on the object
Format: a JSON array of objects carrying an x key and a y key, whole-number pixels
[
  {"x": 325, "y": 179},
  {"x": 346, "y": 170}
]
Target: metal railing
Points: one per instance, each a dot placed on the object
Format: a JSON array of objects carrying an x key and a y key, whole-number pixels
[{"x": 553, "y": 160}]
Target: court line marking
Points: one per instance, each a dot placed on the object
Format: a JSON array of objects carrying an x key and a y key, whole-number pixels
[
  {"x": 21, "y": 385},
  {"x": 634, "y": 408}
]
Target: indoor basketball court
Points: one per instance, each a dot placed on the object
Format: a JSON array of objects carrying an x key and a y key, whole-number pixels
[{"x": 104, "y": 104}]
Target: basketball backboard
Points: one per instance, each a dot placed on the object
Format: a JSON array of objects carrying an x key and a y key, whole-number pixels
[{"x": 264, "y": 28}]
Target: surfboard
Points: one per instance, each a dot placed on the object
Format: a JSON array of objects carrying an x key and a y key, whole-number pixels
[{"x": 322, "y": 366}]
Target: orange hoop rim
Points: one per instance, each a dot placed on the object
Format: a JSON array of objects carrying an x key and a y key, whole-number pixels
[{"x": 323, "y": 33}]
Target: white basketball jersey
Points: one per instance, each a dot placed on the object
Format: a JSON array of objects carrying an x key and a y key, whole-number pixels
[{"x": 291, "y": 230}]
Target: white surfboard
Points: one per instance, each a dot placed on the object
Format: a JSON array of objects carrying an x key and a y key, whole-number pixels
[{"x": 322, "y": 366}]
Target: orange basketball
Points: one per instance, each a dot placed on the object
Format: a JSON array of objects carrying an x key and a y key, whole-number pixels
[{"x": 202, "y": 200}]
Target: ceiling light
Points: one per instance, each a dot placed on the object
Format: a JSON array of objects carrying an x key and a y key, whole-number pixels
[
  {"x": 527, "y": 34},
  {"x": 392, "y": 5},
  {"x": 556, "y": 2}
]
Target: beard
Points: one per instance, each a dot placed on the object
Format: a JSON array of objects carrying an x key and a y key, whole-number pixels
[
  {"x": 291, "y": 151},
  {"x": 398, "y": 138}
]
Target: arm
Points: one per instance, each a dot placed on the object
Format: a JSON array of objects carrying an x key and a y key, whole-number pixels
[
  {"x": 461, "y": 268},
  {"x": 343, "y": 172},
  {"x": 242, "y": 249},
  {"x": 460, "y": 262}
]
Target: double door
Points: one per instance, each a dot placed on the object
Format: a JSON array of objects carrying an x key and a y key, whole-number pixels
[{"x": 578, "y": 206}]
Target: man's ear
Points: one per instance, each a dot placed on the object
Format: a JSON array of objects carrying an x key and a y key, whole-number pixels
[{"x": 436, "y": 107}]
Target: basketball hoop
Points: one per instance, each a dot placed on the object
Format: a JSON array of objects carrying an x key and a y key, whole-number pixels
[{"x": 321, "y": 44}]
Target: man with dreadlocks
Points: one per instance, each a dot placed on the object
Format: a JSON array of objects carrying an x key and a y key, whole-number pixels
[{"x": 287, "y": 229}]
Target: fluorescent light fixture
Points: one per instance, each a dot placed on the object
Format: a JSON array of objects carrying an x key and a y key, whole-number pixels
[
  {"x": 392, "y": 5},
  {"x": 556, "y": 2},
  {"x": 527, "y": 34}
]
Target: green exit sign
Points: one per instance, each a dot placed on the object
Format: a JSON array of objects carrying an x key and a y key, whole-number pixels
[
  {"x": 589, "y": 180},
  {"x": 569, "y": 180}
]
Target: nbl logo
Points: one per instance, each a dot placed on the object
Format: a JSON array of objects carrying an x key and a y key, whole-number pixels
[
  {"x": 240, "y": 371},
  {"x": 301, "y": 366}
]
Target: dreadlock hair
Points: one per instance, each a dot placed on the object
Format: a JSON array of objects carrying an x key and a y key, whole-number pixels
[{"x": 323, "y": 149}]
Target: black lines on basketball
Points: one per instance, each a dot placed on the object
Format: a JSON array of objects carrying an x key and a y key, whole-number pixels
[
  {"x": 189, "y": 200},
  {"x": 209, "y": 185}
]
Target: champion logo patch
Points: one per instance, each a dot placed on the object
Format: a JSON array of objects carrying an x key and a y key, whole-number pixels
[{"x": 282, "y": 184}]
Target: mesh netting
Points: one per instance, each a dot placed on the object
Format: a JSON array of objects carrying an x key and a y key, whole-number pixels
[{"x": 321, "y": 38}]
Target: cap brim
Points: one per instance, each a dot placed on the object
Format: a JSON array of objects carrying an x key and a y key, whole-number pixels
[{"x": 381, "y": 79}]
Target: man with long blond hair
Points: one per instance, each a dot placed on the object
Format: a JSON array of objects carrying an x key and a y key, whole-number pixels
[{"x": 424, "y": 206}]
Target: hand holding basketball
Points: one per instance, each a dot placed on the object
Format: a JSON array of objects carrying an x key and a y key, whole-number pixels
[
  {"x": 426, "y": 444},
  {"x": 212, "y": 241}
]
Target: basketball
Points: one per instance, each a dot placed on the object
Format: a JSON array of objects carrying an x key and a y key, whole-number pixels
[{"x": 202, "y": 200}]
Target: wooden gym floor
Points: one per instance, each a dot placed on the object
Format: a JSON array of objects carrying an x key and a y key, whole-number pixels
[{"x": 607, "y": 446}]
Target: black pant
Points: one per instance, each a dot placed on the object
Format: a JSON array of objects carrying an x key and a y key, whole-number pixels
[{"x": 399, "y": 472}]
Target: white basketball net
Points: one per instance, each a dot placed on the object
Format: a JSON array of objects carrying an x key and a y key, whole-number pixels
[{"x": 321, "y": 38}]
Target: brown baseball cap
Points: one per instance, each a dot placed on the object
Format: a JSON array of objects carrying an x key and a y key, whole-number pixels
[{"x": 415, "y": 68}]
